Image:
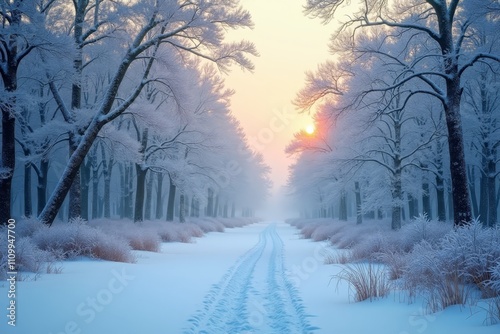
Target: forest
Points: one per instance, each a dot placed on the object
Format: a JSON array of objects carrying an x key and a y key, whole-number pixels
[
  {"x": 118, "y": 109},
  {"x": 406, "y": 114},
  {"x": 122, "y": 160}
]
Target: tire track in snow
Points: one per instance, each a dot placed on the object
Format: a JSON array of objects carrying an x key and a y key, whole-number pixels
[{"x": 254, "y": 295}]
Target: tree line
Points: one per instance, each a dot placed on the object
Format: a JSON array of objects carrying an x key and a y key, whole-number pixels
[
  {"x": 117, "y": 109},
  {"x": 407, "y": 113}
]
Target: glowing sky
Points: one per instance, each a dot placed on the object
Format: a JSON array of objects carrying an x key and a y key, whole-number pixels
[{"x": 289, "y": 45}]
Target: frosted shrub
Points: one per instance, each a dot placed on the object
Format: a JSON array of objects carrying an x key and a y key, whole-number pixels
[
  {"x": 26, "y": 227},
  {"x": 445, "y": 270},
  {"x": 429, "y": 272},
  {"x": 326, "y": 231},
  {"x": 31, "y": 258},
  {"x": 138, "y": 236},
  {"x": 309, "y": 229},
  {"x": 192, "y": 230},
  {"x": 373, "y": 246},
  {"x": 474, "y": 250},
  {"x": 494, "y": 303},
  {"x": 352, "y": 236},
  {"x": 67, "y": 240},
  {"x": 141, "y": 239},
  {"x": 421, "y": 228},
  {"x": 237, "y": 222},
  {"x": 77, "y": 238},
  {"x": 494, "y": 282},
  {"x": 112, "y": 248},
  {"x": 367, "y": 280},
  {"x": 211, "y": 225}
]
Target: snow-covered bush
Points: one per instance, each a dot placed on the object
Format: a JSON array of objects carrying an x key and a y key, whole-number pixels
[
  {"x": 209, "y": 225},
  {"x": 352, "y": 236},
  {"x": 494, "y": 281},
  {"x": 29, "y": 257},
  {"x": 309, "y": 229},
  {"x": 474, "y": 250},
  {"x": 26, "y": 227},
  {"x": 138, "y": 236},
  {"x": 175, "y": 232},
  {"x": 326, "y": 231},
  {"x": 429, "y": 273},
  {"x": 421, "y": 228},
  {"x": 77, "y": 238},
  {"x": 444, "y": 271},
  {"x": 237, "y": 222}
]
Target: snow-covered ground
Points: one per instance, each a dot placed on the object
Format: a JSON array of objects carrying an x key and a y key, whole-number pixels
[{"x": 260, "y": 278}]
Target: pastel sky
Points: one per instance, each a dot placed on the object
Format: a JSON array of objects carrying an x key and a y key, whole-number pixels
[{"x": 289, "y": 45}]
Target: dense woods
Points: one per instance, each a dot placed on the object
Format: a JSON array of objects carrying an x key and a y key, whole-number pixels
[
  {"x": 406, "y": 114},
  {"x": 118, "y": 109}
]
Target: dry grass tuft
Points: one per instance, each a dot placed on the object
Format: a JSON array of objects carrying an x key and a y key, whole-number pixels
[{"x": 366, "y": 280}]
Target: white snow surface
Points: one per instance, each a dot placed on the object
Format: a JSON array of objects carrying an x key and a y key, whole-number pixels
[{"x": 261, "y": 278}]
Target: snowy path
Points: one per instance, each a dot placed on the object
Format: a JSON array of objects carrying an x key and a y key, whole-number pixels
[
  {"x": 254, "y": 295},
  {"x": 236, "y": 282}
]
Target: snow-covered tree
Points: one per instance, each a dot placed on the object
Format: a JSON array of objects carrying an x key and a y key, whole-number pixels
[
  {"x": 195, "y": 28},
  {"x": 438, "y": 36},
  {"x": 22, "y": 32}
]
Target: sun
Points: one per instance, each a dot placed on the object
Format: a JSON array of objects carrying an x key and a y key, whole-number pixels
[{"x": 310, "y": 129}]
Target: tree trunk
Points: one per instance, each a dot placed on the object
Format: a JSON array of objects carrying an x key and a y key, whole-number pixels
[
  {"x": 171, "y": 201},
  {"x": 107, "y": 168},
  {"x": 441, "y": 206},
  {"x": 149, "y": 197},
  {"x": 225, "y": 209},
  {"x": 412, "y": 206},
  {"x": 233, "y": 210},
  {"x": 84, "y": 175},
  {"x": 359, "y": 215},
  {"x": 182, "y": 217},
  {"x": 42, "y": 185},
  {"x": 216, "y": 207},
  {"x": 28, "y": 205},
  {"x": 492, "y": 213},
  {"x": 95, "y": 184},
  {"x": 75, "y": 201},
  {"x": 426, "y": 198},
  {"x": 462, "y": 212},
  {"x": 8, "y": 70},
  {"x": 343, "y": 206},
  {"x": 159, "y": 200},
  {"x": 210, "y": 202},
  {"x": 397, "y": 198},
  {"x": 139, "y": 193},
  {"x": 193, "y": 207},
  {"x": 62, "y": 188},
  {"x": 483, "y": 197},
  {"x": 122, "y": 169},
  {"x": 8, "y": 161},
  {"x": 75, "y": 191},
  {"x": 397, "y": 191}
]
